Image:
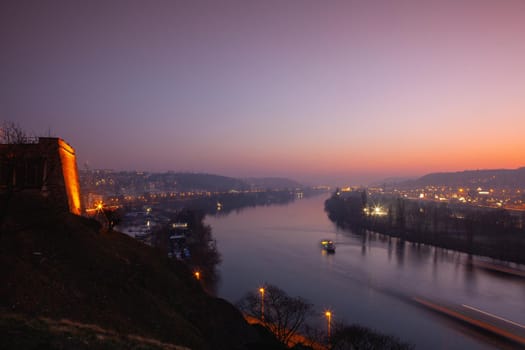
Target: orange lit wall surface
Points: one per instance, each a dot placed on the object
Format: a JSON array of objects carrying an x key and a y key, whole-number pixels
[{"x": 70, "y": 173}]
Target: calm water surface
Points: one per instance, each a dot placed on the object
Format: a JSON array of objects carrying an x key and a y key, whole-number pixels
[{"x": 370, "y": 280}]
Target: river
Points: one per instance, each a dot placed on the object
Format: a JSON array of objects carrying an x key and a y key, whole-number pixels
[{"x": 370, "y": 280}]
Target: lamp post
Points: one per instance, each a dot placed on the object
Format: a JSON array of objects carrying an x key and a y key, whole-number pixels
[
  {"x": 261, "y": 290},
  {"x": 328, "y": 315},
  {"x": 197, "y": 275}
]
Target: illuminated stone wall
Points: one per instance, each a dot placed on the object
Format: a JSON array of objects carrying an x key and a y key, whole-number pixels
[
  {"x": 70, "y": 174},
  {"x": 47, "y": 169}
]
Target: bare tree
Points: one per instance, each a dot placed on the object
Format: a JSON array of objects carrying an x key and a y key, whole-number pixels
[
  {"x": 113, "y": 217},
  {"x": 12, "y": 134},
  {"x": 283, "y": 315}
]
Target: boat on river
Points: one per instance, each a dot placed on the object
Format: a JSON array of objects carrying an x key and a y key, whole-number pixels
[{"x": 328, "y": 245}]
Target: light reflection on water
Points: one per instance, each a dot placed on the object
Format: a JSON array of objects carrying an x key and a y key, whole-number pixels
[{"x": 371, "y": 278}]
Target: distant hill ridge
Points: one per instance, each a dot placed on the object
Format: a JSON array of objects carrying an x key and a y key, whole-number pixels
[
  {"x": 200, "y": 181},
  {"x": 224, "y": 183},
  {"x": 496, "y": 178},
  {"x": 186, "y": 181},
  {"x": 272, "y": 182}
]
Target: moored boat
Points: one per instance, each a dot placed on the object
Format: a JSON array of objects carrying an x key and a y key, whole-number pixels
[{"x": 328, "y": 245}]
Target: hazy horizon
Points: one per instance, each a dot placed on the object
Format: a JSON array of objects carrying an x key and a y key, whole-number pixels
[
  {"x": 333, "y": 182},
  {"x": 342, "y": 180},
  {"x": 336, "y": 92}
]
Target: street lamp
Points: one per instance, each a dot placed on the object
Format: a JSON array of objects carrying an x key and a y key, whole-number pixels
[
  {"x": 197, "y": 275},
  {"x": 261, "y": 290},
  {"x": 328, "y": 315}
]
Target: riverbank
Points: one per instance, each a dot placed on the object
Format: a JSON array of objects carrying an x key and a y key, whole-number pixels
[{"x": 477, "y": 231}]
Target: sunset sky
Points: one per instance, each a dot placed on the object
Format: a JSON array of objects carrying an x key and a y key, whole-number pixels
[{"x": 340, "y": 92}]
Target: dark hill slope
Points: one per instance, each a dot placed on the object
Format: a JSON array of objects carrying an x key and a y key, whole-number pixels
[{"x": 60, "y": 267}]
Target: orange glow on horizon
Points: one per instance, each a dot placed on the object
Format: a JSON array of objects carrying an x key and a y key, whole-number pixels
[{"x": 404, "y": 158}]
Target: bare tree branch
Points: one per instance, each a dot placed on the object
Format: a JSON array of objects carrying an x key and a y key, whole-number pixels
[
  {"x": 12, "y": 134},
  {"x": 283, "y": 315}
]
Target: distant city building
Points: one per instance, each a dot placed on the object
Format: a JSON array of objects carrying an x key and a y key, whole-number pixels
[{"x": 45, "y": 167}]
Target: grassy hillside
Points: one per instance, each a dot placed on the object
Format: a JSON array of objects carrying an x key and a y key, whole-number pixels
[{"x": 58, "y": 268}]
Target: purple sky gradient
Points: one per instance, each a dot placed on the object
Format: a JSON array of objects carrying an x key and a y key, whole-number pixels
[{"x": 320, "y": 91}]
